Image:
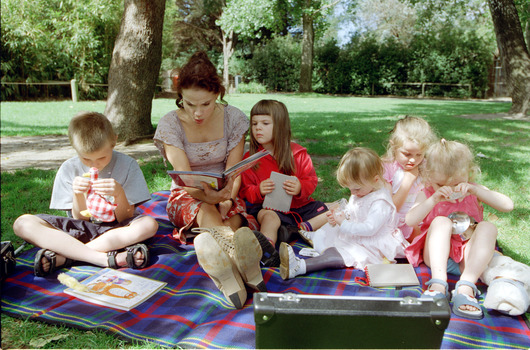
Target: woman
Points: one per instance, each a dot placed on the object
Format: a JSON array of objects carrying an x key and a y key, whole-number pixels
[{"x": 204, "y": 135}]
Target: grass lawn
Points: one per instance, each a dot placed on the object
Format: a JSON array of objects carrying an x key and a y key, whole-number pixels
[{"x": 328, "y": 126}]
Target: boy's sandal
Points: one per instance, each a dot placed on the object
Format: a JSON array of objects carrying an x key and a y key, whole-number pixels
[
  {"x": 130, "y": 259},
  {"x": 434, "y": 293},
  {"x": 460, "y": 299},
  {"x": 131, "y": 252},
  {"x": 51, "y": 256}
]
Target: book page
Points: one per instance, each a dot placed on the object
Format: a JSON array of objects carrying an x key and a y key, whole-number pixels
[
  {"x": 278, "y": 199},
  {"x": 245, "y": 164},
  {"x": 194, "y": 179}
]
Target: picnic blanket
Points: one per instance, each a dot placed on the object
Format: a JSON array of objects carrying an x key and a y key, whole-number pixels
[{"x": 190, "y": 312}]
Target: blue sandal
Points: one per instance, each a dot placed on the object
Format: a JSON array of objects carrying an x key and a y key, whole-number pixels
[
  {"x": 460, "y": 299},
  {"x": 434, "y": 293}
]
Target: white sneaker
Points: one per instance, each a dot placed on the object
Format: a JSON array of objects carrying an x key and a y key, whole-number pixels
[
  {"x": 290, "y": 266},
  {"x": 307, "y": 236}
]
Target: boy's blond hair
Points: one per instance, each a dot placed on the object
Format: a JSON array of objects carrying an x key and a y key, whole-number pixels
[
  {"x": 360, "y": 166},
  {"x": 449, "y": 159},
  {"x": 412, "y": 129},
  {"x": 90, "y": 131}
]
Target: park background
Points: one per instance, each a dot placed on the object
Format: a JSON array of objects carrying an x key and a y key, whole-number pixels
[{"x": 361, "y": 49}]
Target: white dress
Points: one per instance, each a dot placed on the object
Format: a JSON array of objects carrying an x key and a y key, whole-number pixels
[{"x": 368, "y": 235}]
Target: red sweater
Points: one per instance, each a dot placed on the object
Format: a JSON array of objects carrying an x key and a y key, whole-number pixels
[{"x": 304, "y": 171}]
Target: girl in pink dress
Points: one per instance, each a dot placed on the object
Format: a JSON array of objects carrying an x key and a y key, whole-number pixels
[
  {"x": 406, "y": 148},
  {"x": 448, "y": 172}
]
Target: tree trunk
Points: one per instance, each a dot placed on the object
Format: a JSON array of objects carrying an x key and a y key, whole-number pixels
[
  {"x": 514, "y": 53},
  {"x": 134, "y": 69},
  {"x": 228, "y": 51},
  {"x": 306, "y": 65}
]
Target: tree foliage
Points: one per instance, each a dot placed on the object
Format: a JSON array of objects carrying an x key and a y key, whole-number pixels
[{"x": 57, "y": 40}]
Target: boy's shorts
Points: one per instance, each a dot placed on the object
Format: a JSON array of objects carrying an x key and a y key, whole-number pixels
[
  {"x": 83, "y": 230},
  {"x": 296, "y": 215}
]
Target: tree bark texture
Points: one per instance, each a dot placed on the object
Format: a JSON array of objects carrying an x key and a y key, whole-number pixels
[
  {"x": 306, "y": 65},
  {"x": 514, "y": 53},
  {"x": 134, "y": 69}
]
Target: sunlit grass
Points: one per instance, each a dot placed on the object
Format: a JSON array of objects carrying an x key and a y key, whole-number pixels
[{"x": 327, "y": 126}]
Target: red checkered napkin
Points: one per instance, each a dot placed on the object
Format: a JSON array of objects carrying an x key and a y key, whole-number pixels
[{"x": 99, "y": 207}]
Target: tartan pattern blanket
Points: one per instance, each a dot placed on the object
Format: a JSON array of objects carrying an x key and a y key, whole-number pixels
[{"x": 190, "y": 312}]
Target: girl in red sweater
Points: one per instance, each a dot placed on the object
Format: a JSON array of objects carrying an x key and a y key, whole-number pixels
[{"x": 271, "y": 130}]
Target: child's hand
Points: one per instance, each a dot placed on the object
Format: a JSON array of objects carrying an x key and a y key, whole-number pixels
[
  {"x": 81, "y": 185},
  {"x": 466, "y": 188},
  {"x": 442, "y": 194},
  {"x": 107, "y": 187},
  {"x": 266, "y": 187},
  {"x": 292, "y": 187},
  {"x": 331, "y": 218}
]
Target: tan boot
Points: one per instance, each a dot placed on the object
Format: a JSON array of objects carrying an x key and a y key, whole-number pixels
[
  {"x": 247, "y": 256},
  {"x": 245, "y": 251},
  {"x": 221, "y": 269}
]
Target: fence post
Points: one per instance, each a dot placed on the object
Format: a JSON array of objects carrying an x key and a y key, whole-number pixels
[
  {"x": 422, "y": 89},
  {"x": 73, "y": 87}
]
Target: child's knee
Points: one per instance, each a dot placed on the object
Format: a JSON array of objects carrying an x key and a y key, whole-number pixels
[
  {"x": 144, "y": 227},
  {"x": 487, "y": 230},
  {"x": 442, "y": 223},
  {"x": 22, "y": 226}
]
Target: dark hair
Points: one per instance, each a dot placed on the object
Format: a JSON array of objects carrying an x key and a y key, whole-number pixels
[
  {"x": 281, "y": 133},
  {"x": 199, "y": 72}
]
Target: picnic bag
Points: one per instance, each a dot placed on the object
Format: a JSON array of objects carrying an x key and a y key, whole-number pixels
[{"x": 8, "y": 261}]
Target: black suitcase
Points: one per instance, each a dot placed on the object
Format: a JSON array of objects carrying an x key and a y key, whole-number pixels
[{"x": 316, "y": 321}]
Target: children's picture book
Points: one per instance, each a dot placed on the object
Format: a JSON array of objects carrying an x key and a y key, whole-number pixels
[
  {"x": 115, "y": 288},
  {"x": 278, "y": 199},
  {"x": 215, "y": 180},
  {"x": 391, "y": 275}
]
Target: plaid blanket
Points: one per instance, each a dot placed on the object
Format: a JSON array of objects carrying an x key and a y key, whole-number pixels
[{"x": 190, "y": 312}]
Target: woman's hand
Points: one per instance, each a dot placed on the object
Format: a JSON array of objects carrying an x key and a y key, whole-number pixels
[
  {"x": 213, "y": 196},
  {"x": 292, "y": 187},
  {"x": 266, "y": 187},
  {"x": 224, "y": 207}
]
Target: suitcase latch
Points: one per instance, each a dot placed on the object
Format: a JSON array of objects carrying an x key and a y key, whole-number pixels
[
  {"x": 410, "y": 301},
  {"x": 290, "y": 297}
]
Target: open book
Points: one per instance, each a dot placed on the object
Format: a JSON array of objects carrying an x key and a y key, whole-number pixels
[
  {"x": 391, "y": 275},
  {"x": 215, "y": 180},
  {"x": 116, "y": 289},
  {"x": 278, "y": 199}
]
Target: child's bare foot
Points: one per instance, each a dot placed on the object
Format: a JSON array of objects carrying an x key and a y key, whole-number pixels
[{"x": 467, "y": 290}]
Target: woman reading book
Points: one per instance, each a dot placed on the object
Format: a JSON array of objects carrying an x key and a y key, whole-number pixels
[{"x": 203, "y": 134}]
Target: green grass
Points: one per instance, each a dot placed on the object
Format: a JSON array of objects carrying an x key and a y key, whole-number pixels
[{"x": 328, "y": 126}]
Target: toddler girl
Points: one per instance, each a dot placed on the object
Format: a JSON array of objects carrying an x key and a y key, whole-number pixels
[
  {"x": 448, "y": 172},
  {"x": 367, "y": 231},
  {"x": 271, "y": 130},
  {"x": 406, "y": 147}
]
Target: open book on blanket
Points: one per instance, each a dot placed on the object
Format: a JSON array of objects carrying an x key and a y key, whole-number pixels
[
  {"x": 116, "y": 289},
  {"x": 215, "y": 180},
  {"x": 391, "y": 275},
  {"x": 278, "y": 199}
]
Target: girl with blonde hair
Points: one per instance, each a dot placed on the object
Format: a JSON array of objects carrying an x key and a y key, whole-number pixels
[
  {"x": 454, "y": 237},
  {"x": 365, "y": 232},
  {"x": 407, "y": 144}
]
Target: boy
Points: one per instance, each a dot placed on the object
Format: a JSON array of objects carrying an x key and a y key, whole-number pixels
[{"x": 77, "y": 237}]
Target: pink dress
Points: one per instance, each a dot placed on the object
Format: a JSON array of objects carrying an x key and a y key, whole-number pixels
[
  {"x": 394, "y": 176},
  {"x": 469, "y": 205}
]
